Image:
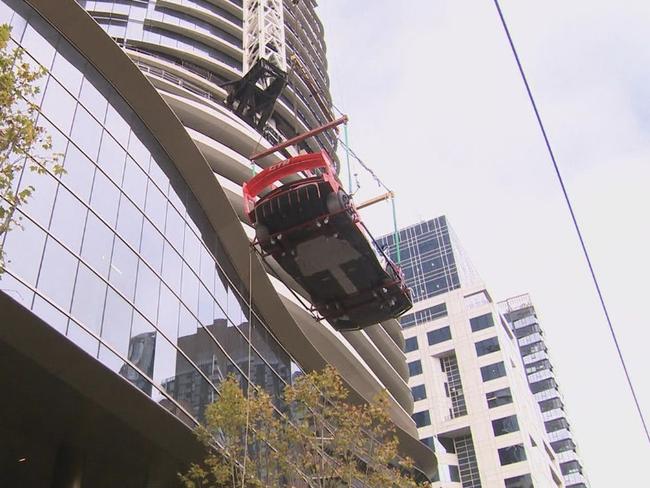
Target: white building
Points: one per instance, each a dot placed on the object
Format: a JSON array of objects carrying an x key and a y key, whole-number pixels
[{"x": 472, "y": 400}]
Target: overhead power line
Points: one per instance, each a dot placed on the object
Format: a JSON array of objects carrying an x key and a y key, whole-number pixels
[{"x": 573, "y": 218}]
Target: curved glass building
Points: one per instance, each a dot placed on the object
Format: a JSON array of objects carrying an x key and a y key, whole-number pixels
[{"x": 131, "y": 292}]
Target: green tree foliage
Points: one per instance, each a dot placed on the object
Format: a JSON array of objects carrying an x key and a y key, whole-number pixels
[
  {"x": 22, "y": 141},
  {"x": 321, "y": 440}
]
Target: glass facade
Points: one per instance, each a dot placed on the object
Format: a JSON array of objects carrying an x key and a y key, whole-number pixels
[
  {"x": 117, "y": 254},
  {"x": 426, "y": 258}
]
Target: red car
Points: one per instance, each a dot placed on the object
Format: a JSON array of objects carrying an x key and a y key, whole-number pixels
[{"x": 312, "y": 229}]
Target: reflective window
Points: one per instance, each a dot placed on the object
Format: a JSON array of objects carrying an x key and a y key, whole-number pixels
[
  {"x": 135, "y": 182},
  {"x": 419, "y": 392},
  {"x": 16, "y": 290},
  {"x": 105, "y": 198},
  {"x": 493, "y": 371},
  {"x": 415, "y": 368},
  {"x": 171, "y": 268},
  {"x": 168, "y": 313},
  {"x": 88, "y": 300},
  {"x": 411, "y": 344},
  {"x": 439, "y": 335},
  {"x": 175, "y": 228},
  {"x": 86, "y": 132},
  {"x": 123, "y": 269},
  {"x": 82, "y": 338},
  {"x": 151, "y": 246},
  {"x": 90, "y": 96},
  {"x": 129, "y": 222},
  {"x": 38, "y": 46},
  {"x": 50, "y": 314},
  {"x": 512, "y": 454},
  {"x": 111, "y": 158},
  {"x": 487, "y": 346},
  {"x": 24, "y": 248},
  {"x": 57, "y": 275},
  {"x": 505, "y": 425},
  {"x": 190, "y": 289},
  {"x": 117, "y": 126},
  {"x": 64, "y": 71},
  {"x": 422, "y": 419},
  {"x": 116, "y": 324},
  {"x": 97, "y": 245},
  {"x": 68, "y": 219},
  {"x": 499, "y": 397},
  {"x": 59, "y": 106},
  {"x": 79, "y": 172},
  {"x": 155, "y": 206},
  {"x": 39, "y": 205},
  {"x": 146, "y": 292},
  {"x": 481, "y": 322},
  {"x": 523, "y": 481}
]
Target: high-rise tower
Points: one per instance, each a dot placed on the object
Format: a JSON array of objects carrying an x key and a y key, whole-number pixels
[
  {"x": 472, "y": 401},
  {"x": 521, "y": 316}
]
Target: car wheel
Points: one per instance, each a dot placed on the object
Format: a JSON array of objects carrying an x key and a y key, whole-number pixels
[{"x": 337, "y": 202}]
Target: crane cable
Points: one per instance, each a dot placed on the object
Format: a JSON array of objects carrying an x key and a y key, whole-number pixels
[{"x": 573, "y": 218}]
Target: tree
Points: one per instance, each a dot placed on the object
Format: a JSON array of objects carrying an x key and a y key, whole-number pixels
[
  {"x": 22, "y": 142},
  {"x": 320, "y": 441}
]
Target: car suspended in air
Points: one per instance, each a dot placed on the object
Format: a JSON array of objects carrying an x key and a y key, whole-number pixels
[{"x": 313, "y": 231}]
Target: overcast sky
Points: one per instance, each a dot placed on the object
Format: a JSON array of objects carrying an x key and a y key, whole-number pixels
[{"x": 438, "y": 109}]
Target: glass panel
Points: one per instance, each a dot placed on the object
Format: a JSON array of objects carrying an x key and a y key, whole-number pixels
[
  {"x": 117, "y": 126},
  {"x": 97, "y": 245},
  {"x": 90, "y": 96},
  {"x": 190, "y": 289},
  {"x": 168, "y": 313},
  {"x": 171, "y": 268},
  {"x": 37, "y": 45},
  {"x": 57, "y": 275},
  {"x": 411, "y": 344},
  {"x": 155, "y": 206},
  {"x": 123, "y": 269},
  {"x": 79, "y": 172},
  {"x": 64, "y": 71},
  {"x": 129, "y": 222},
  {"x": 192, "y": 249},
  {"x": 59, "y": 106},
  {"x": 111, "y": 158},
  {"x": 39, "y": 205},
  {"x": 23, "y": 250},
  {"x": 68, "y": 219},
  {"x": 415, "y": 368},
  {"x": 47, "y": 312},
  {"x": 16, "y": 290},
  {"x": 135, "y": 182},
  {"x": 505, "y": 425},
  {"x": 151, "y": 246},
  {"x": 86, "y": 132},
  {"x": 88, "y": 301},
  {"x": 139, "y": 151},
  {"x": 174, "y": 228},
  {"x": 82, "y": 339},
  {"x": 146, "y": 293},
  {"x": 105, "y": 198},
  {"x": 116, "y": 324}
]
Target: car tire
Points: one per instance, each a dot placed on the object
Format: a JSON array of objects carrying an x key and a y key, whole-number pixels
[{"x": 337, "y": 201}]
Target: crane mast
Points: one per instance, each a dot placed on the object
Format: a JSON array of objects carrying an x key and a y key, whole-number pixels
[{"x": 264, "y": 33}]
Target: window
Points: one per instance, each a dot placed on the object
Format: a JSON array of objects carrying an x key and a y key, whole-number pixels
[
  {"x": 454, "y": 475},
  {"x": 419, "y": 392},
  {"x": 563, "y": 445},
  {"x": 481, "y": 322},
  {"x": 505, "y": 425},
  {"x": 447, "y": 443},
  {"x": 438, "y": 335},
  {"x": 493, "y": 371},
  {"x": 487, "y": 346},
  {"x": 422, "y": 316},
  {"x": 415, "y": 368},
  {"x": 411, "y": 344},
  {"x": 422, "y": 419},
  {"x": 550, "y": 404},
  {"x": 499, "y": 397},
  {"x": 512, "y": 454},
  {"x": 428, "y": 441},
  {"x": 523, "y": 481},
  {"x": 547, "y": 384},
  {"x": 556, "y": 424}
]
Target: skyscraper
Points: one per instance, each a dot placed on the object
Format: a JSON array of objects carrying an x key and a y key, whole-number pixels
[
  {"x": 472, "y": 401},
  {"x": 521, "y": 316},
  {"x": 131, "y": 288}
]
